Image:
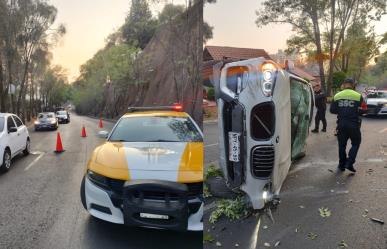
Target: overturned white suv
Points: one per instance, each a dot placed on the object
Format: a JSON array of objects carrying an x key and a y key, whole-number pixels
[{"x": 264, "y": 114}]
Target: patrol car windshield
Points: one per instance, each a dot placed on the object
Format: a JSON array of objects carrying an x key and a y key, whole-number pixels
[
  {"x": 156, "y": 129},
  {"x": 61, "y": 113},
  {"x": 377, "y": 95},
  {"x": 1, "y": 124},
  {"x": 46, "y": 115}
]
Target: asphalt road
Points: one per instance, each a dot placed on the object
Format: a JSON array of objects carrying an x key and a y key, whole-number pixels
[
  {"x": 312, "y": 183},
  {"x": 40, "y": 204}
]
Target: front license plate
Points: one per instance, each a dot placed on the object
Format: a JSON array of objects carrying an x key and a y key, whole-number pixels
[
  {"x": 154, "y": 216},
  {"x": 234, "y": 146}
]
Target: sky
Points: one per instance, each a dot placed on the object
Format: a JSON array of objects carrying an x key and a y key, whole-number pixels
[
  {"x": 234, "y": 25},
  {"x": 88, "y": 23}
]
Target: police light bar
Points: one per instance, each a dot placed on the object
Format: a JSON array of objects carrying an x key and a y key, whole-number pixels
[{"x": 175, "y": 107}]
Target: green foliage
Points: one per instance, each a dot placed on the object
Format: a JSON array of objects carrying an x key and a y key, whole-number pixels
[
  {"x": 139, "y": 25},
  {"x": 211, "y": 94},
  {"x": 213, "y": 171},
  {"x": 337, "y": 79},
  {"x": 112, "y": 66},
  {"x": 232, "y": 209}
]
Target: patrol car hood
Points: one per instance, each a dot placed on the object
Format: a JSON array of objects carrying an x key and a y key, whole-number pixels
[
  {"x": 174, "y": 161},
  {"x": 376, "y": 101}
]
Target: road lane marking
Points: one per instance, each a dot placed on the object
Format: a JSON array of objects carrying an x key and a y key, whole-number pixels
[
  {"x": 34, "y": 161},
  {"x": 210, "y": 145},
  {"x": 384, "y": 130}
]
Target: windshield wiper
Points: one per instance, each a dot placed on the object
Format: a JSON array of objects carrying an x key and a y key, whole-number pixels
[{"x": 162, "y": 140}]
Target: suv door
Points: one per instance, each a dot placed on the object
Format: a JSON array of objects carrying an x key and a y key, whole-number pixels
[
  {"x": 13, "y": 141},
  {"x": 22, "y": 132}
]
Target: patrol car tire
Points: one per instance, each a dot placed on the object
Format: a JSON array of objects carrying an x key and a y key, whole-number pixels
[
  {"x": 83, "y": 194},
  {"x": 218, "y": 188},
  {"x": 6, "y": 163}
]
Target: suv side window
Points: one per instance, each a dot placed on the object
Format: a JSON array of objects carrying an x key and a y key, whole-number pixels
[
  {"x": 10, "y": 123},
  {"x": 18, "y": 121}
]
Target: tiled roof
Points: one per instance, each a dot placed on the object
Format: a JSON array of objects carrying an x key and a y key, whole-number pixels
[{"x": 221, "y": 53}]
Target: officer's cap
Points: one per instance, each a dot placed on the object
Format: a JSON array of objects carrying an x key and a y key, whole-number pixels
[{"x": 350, "y": 81}]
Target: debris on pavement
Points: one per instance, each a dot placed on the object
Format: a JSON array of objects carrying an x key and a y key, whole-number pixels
[
  {"x": 277, "y": 243},
  {"x": 207, "y": 238},
  {"x": 330, "y": 170},
  {"x": 377, "y": 221},
  {"x": 301, "y": 206},
  {"x": 265, "y": 227},
  {"x": 324, "y": 212},
  {"x": 236, "y": 245},
  {"x": 267, "y": 244},
  {"x": 213, "y": 171},
  {"x": 312, "y": 236},
  {"x": 206, "y": 191},
  {"x": 342, "y": 244},
  {"x": 218, "y": 244},
  {"x": 232, "y": 209}
]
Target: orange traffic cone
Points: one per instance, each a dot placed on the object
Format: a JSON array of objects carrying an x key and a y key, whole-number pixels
[
  {"x": 59, "y": 147},
  {"x": 83, "y": 132},
  {"x": 100, "y": 123}
]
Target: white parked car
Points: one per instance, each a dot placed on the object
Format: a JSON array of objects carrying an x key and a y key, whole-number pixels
[
  {"x": 377, "y": 103},
  {"x": 14, "y": 139}
]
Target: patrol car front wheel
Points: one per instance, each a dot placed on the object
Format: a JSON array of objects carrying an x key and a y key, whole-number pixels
[{"x": 83, "y": 194}]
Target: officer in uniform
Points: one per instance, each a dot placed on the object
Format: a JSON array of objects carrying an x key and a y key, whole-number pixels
[
  {"x": 321, "y": 105},
  {"x": 348, "y": 105}
]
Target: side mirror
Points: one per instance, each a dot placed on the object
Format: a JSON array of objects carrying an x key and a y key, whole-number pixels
[
  {"x": 103, "y": 134},
  {"x": 12, "y": 129}
]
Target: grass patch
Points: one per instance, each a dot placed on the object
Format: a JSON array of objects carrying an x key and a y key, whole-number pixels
[
  {"x": 207, "y": 238},
  {"x": 232, "y": 209}
]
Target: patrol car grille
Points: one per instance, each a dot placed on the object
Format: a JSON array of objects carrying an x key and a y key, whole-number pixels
[
  {"x": 194, "y": 191},
  {"x": 262, "y": 161},
  {"x": 262, "y": 121}
]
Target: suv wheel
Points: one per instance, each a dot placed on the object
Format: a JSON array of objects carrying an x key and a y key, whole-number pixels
[
  {"x": 27, "y": 149},
  {"x": 6, "y": 161}
]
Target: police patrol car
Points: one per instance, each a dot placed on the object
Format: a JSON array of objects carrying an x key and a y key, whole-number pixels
[{"x": 149, "y": 172}]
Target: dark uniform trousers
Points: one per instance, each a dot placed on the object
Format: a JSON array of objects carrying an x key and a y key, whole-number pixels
[
  {"x": 343, "y": 135},
  {"x": 320, "y": 116}
]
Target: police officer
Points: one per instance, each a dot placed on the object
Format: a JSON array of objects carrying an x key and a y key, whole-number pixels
[
  {"x": 348, "y": 105},
  {"x": 321, "y": 105}
]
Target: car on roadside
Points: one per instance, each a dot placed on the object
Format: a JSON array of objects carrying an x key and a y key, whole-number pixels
[
  {"x": 14, "y": 139},
  {"x": 376, "y": 103},
  {"x": 264, "y": 115},
  {"x": 46, "y": 121},
  {"x": 63, "y": 116},
  {"x": 148, "y": 172}
]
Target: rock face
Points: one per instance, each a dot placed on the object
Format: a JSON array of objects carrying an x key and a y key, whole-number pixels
[{"x": 170, "y": 65}]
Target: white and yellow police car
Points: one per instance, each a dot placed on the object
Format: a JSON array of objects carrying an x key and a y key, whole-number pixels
[{"x": 149, "y": 171}]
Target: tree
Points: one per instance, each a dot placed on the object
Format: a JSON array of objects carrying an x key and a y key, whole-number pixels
[
  {"x": 320, "y": 26},
  {"x": 139, "y": 25}
]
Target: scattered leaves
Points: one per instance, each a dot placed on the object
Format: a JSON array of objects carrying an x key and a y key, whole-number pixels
[
  {"x": 312, "y": 236},
  {"x": 207, "y": 238},
  {"x": 232, "y": 209},
  {"x": 277, "y": 243},
  {"x": 301, "y": 206},
  {"x": 213, "y": 171},
  {"x": 324, "y": 212},
  {"x": 342, "y": 244},
  {"x": 267, "y": 244},
  {"x": 206, "y": 191},
  {"x": 218, "y": 244},
  {"x": 265, "y": 227}
]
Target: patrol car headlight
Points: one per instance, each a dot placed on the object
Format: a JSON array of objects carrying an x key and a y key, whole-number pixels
[
  {"x": 98, "y": 179},
  {"x": 269, "y": 71},
  {"x": 53, "y": 121}
]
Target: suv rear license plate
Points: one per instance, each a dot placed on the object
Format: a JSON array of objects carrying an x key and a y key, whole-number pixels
[
  {"x": 234, "y": 146},
  {"x": 154, "y": 216}
]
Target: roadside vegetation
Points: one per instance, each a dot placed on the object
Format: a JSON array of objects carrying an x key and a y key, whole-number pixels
[
  {"x": 28, "y": 81},
  {"x": 337, "y": 35},
  {"x": 120, "y": 74}
]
